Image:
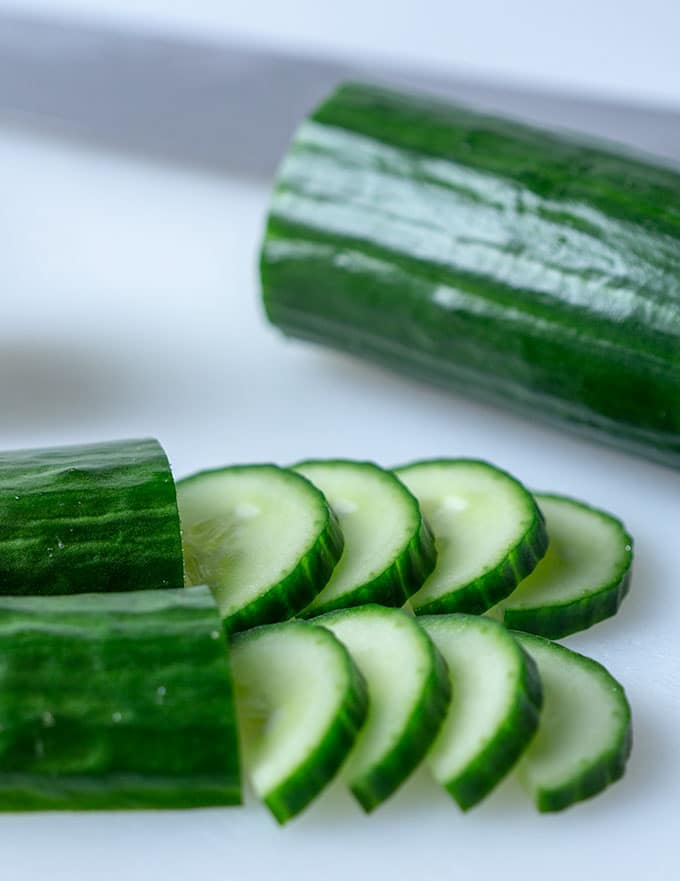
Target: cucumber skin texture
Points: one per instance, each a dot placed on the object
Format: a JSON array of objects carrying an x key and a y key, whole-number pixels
[
  {"x": 289, "y": 596},
  {"x": 97, "y": 517},
  {"x": 377, "y": 785},
  {"x": 394, "y": 585},
  {"x": 595, "y": 779},
  {"x": 589, "y": 340},
  {"x": 293, "y": 796},
  {"x": 501, "y": 754},
  {"x": 562, "y": 619},
  {"x": 484, "y": 592},
  {"x": 84, "y": 725}
]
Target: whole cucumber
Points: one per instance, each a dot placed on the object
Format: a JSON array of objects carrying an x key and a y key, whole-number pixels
[{"x": 512, "y": 264}]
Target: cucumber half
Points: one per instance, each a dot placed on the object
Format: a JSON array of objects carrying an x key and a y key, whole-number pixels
[
  {"x": 95, "y": 517},
  {"x": 585, "y": 735},
  {"x": 116, "y": 701},
  {"x": 488, "y": 531},
  {"x": 409, "y": 692},
  {"x": 495, "y": 705},
  {"x": 583, "y": 577},
  {"x": 389, "y": 550},
  {"x": 300, "y": 704},
  {"x": 262, "y": 537}
]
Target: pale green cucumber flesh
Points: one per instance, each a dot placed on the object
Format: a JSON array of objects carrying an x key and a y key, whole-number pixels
[
  {"x": 262, "y": 537},
  {"x": 494, "y": 710},
  {"x": 585, "y": 735},
  {"x": 488, "y": 531},
  {"x": 583, "y": 577},
  {"x": 409, "y": 692},
  {"x": 300, "y": 702},
  {"x": 388, "y": 551}
]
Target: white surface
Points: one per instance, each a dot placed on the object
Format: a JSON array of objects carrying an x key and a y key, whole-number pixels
[
  {"x": 130, "y": 308},
  {"x": 624, "y": 48}
]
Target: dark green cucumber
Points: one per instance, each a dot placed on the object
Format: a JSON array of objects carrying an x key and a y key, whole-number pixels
[
  {"x": 519, "y": 266},
  {"x": 114, "y": 701},
  {"x": 100, "y": 517}
]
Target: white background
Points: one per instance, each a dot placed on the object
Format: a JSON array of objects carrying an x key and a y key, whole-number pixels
[
  {"x": 130, "y": 307},
  {"x": 627, "y": 48}
]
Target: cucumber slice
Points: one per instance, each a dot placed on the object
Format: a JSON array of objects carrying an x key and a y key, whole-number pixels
[
  {"x": 262, "y": 537},
  {"x": 582, "y": 579},
  {"x": 389, "y": 550},
  {"x": 488, "y": 531},
  {"x": 585, "y": 735},
  {"x": 97, "y": 517},
  {"x": 409, "y": 692},
  {"x": 494, "y": 709},
  {"x": 300, "y": 703},
  {"x": 117, "y": 700}
]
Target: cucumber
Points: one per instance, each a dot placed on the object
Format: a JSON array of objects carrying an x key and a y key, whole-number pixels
[
  {"x": 409, "y": 692},
  {"x": 523, "y": 267},
  {"x": 495, "y": 707},
  {"x": 97, "y": 517},
  {"x": 301, "y": 703},
  {"x": 583, "y": 577},
  {"x": 488, "y": 532},
  {"x": 112, "y": 701},
  {"x": 262, "y": 537},
  {"x": 389, "y": 551},
  {"x": 585, "y": 735}
]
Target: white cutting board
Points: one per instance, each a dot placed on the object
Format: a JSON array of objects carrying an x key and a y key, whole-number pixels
[{"x": 130, "y": 307}]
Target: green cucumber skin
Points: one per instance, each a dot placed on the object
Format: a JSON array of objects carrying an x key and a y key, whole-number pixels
[
  {"x": 100, "y": 517},
  {"x": 558, "y": 620},
  {"x": 375, "y": 787},
  {"x": 293, "y": 593},
  {"x": 116, "y": 701},
  {"x": 501, "y": 754},
  {"x": 496, "y": 584},
  {"x": 394, "y": 585},
  {"x": 293, "y": 796},
  {"x": 594, "y": 779},
  {"x": 506, "y": 262}
]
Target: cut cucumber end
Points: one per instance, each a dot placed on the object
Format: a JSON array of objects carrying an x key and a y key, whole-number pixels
[
  {"x": 489, "y": 533},
  {"x": 389, "y": 550},
  {"x": 301, "y": 703},
  {"x": 583, "y": 577},
  {"x": 409, "y": 692},
  {"x": 495, "y": 706},
  {"x": 585, "y": 735},
  {"x": 262, "y": 537}
]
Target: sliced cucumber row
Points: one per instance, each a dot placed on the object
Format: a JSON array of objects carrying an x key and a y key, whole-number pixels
[
  {"x": 270, "y": 547},
  {"x": 389, "y": 550},
  {"x": 460, "y": 691},
  {"x": 583, "y": 577},
  {"x": 488, "y": 531}
]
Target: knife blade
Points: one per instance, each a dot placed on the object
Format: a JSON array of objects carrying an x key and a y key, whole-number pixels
[{"x": 233, "y": 106}]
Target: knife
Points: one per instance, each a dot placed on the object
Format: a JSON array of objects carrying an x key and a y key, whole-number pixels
[{"x": 233, "y": 107}]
